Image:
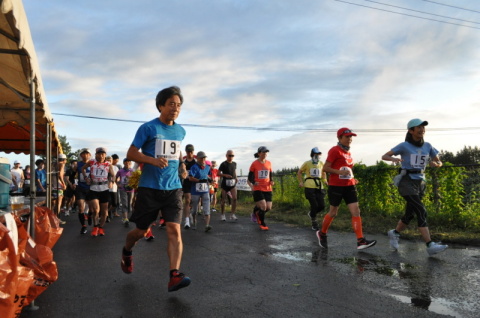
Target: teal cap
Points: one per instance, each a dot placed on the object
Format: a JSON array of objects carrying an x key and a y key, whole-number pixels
[{"x": 416, "y": 122}]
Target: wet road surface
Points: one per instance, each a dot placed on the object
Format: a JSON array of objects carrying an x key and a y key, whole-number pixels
[{"x": 239, "y": 271}]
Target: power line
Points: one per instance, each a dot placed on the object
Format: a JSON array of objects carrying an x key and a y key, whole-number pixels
[
  {"x": 437, "y": 15},
  {"x": 447, "y": 5},
  {"x": 408, "y": 15},
  {"x": 266, "y": 128}
]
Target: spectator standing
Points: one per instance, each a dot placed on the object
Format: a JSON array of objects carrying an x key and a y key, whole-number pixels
[
  {"x": 58, "y": 185},
  {"x": 18, "y": 177},
  {"x": 26, "y": 184},
  {"x": 41, "y": 177}
]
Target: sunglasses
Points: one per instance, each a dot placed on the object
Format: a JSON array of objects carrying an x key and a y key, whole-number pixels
[
  {"x": 230, "y": 155},
  {"x": 348, "y": 131}
]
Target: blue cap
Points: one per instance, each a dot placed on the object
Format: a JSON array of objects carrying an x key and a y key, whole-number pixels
[
  {"x": 126, "y": 159},
  {"x": 416, "y": 122},
  {"x": 315, "y": 150}
]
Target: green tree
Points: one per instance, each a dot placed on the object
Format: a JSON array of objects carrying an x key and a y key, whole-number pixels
[
  {"x": 67, "y": 149},
  {"x": 447, "y": 156},
  {"x": 468, "y": 155}
]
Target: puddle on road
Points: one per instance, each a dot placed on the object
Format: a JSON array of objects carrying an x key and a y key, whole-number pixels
[
  {"x": 417, "y": 283},
  {"x": 380, "y": 266},
  {"x": 294, "y": 256},
  {"x": 408, "y": 272},
  {"x": 436, "y": 305}
]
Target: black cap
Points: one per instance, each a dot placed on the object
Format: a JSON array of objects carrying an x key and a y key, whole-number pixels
[{"x": 189, "y": 147}]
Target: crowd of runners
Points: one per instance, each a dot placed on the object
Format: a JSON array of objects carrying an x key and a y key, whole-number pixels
[{"x": 174, "y": 188}]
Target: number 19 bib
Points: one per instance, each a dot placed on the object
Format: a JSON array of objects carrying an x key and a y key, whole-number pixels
[{"x": 168, "y": 149}]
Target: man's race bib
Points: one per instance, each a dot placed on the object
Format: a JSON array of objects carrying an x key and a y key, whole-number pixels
[
  {"x": 230, "y": 182},
  {"x": 262, "y": 174},
  {"x": 418, "y": 161},
  {"x": 168, "y": 149},
  {"x": 201, "y": 187},
  {"x": 99, "y": 173},
  {"x": 348, "y": 176},
  {"x": 315, "y": 173}
]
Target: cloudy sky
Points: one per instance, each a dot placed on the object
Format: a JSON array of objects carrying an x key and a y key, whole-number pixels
[{"x": 284, "y": 74}]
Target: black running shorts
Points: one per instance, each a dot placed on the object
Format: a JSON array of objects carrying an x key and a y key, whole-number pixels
[
  {"x": 150, "y": 202},
  {"x": 262, "y": 195},
  {"x": 101, "y": 196},
  {"x": 337, "y": 193},
  {"x": 81, "y": 193}
]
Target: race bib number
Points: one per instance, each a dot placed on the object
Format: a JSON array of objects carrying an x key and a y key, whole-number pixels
[
  {"x": 348, "y": 176},
  {"x": 418, "y": 161},
  {"x": 168, "y": 149},
  {"x": 230, "y": 182},
  {"x": 201, "y": 187},
  {"x": 99, "y": 173},
  {"x": 263, "y": 174},
  {"x": 315, "y": 173}
]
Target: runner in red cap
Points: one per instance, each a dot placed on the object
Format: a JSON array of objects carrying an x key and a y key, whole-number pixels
[{"x": 339, "y": 165}]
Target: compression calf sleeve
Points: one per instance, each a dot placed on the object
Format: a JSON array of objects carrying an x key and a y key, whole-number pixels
[{"x": 357, "y": 226}]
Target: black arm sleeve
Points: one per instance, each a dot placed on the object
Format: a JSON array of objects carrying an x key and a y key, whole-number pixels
[{"x": 251, "y": 177}]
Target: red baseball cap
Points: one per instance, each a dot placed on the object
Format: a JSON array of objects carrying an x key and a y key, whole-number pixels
[{"x": 345, "y": 132}]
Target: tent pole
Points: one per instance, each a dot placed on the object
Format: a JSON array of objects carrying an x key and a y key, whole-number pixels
[
  {"x": 48, "y": 164},
  {"x": 33, "y": 180}
]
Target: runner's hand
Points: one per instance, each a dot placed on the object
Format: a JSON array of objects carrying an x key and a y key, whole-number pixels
[{"x": 160, "y": 162}]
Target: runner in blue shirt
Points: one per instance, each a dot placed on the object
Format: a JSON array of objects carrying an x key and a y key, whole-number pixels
[
  {"x": 159, "y": 187},
  {"x": 200, "y": 176},
  {"x": 415, "y": 155}
]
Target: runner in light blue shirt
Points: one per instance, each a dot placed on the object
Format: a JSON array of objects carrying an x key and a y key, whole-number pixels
[{"x": 415, "y": 155}]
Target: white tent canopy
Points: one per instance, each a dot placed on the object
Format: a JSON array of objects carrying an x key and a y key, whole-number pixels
[{"x": 23, "y": 102}]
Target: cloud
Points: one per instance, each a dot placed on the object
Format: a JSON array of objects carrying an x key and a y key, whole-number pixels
[{"x": 291, "y": 65}]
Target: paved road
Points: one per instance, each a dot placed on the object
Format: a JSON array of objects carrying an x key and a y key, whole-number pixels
[{"x": 239, "y": 271}]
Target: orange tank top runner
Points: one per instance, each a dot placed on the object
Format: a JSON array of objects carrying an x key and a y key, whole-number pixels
[{"x": 262, "y": 173}]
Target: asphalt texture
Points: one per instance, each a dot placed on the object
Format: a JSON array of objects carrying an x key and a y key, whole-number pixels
[{"x": 239, "y": 271}]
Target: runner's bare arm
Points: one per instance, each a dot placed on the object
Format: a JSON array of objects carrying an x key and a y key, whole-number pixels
[
  {"x": 389, "y": 157},
  {"x": 111, "y": 176},
  {"x": 134, "y": 154},
  {"x": 436, "y": 162},
  {"x": 84, "y": 169}
]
